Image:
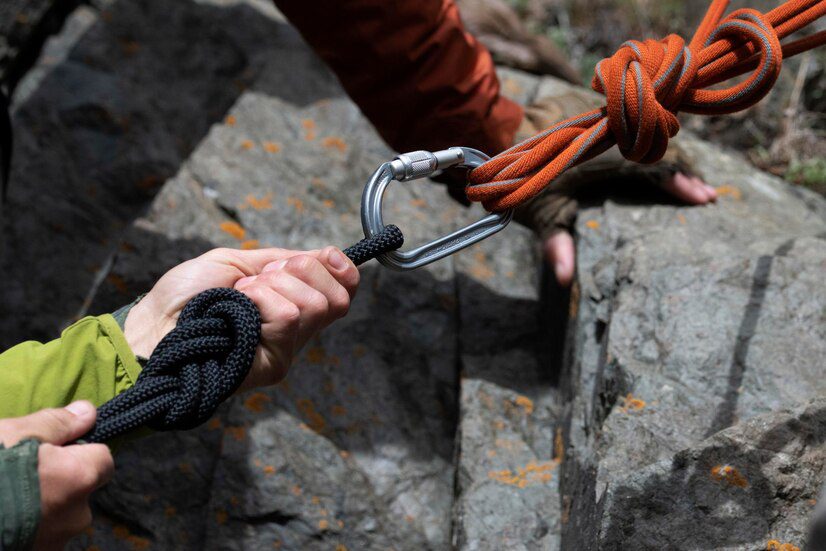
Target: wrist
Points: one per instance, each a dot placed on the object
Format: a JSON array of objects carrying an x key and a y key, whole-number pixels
[{"x": 144, "y": 328}]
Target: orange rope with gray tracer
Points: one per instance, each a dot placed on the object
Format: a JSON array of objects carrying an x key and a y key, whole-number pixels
[{"x": 646, "y": 84}]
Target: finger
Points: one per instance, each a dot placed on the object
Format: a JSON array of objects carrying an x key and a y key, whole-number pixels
[
  {"x": 253, "y": 261},
  {"x": 686, "y": 188},
  {"x": 98, "y": 464},
  {"x": 318, "y": 277},
  {"x": 342, "y": 268},
  {"x": 54, "y": 426},
  {"x": 279, "y": 335},
  {"x": 244, "y": 282},
  {"x": 312, "y": 304},
  {"x": 711, "y": 193},
  {"x": 560, "y": 254}
]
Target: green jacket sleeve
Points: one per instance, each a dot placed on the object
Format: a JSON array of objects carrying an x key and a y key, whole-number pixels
[
  {"x": 90, "y": 361},
  {"x": 19, "y": 496}
]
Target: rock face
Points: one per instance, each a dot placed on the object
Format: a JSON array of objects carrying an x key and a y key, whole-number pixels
[
  {"x": 689, "y": 321},
  {"x": 685, "y": 411}
]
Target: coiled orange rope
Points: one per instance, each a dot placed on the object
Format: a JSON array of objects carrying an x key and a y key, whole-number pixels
[{"x": 645, "y": 85}]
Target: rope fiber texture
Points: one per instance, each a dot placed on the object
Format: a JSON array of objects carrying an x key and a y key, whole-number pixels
[
  {"x": 646, "y": 84},
  {"x": 204, "y": 360}
]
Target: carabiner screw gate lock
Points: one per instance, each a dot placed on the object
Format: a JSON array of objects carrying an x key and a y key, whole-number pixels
[{"x": 412, "y": 166}]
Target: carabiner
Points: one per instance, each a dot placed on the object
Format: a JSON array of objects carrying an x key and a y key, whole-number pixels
[{"x": 421, "y": 164}]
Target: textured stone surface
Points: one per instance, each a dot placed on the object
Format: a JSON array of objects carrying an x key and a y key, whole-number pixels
[
  {"x": 356, "y": 448},
  {"x": 116, "y": 103},
  {"x": 689, "y": 321},
  {"x": 441, "y": 413}
]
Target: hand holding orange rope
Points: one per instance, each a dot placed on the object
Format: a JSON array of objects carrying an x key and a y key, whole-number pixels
[{"x": 645, "y": 85}]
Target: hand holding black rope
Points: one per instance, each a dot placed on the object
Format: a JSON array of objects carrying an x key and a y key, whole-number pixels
[{"x": 204, "y": 360}]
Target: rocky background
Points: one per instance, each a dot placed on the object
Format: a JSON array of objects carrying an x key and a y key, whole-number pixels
[{"x": 674, "y": 399}]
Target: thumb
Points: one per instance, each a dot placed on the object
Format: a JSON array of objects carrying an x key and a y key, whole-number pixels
[{"x": 53, "y": 426}]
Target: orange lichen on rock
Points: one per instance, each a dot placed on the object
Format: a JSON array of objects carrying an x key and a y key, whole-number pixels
[
  {"x": 272, "y": 147},
  {"x": 214, "y": 423},
  {"x": 309, "y": 129},
  {"x": 296, "y": 203},
  {"x": 418, "y": 203},
  {"x": 250, "y": 244},
  {"x": 296, "y": 490},
  {"x": 592, "y": 224},
  {"x": 264, "y": 203},
  {"x": 239, "y": 433},
  {"x": 314, "y": 419},
  {"x": 774, "y": 545},
  {"x": 136, "y": 542},
  {"x": 170, "y": 511},
  {"x": 316, "y": 355},
  {"x": 525, "y": 403},
  {"x": 230, "y": 120},
  {"x": 341, "y": 547},
  {"x": 221, "y": 516},
  {"x": 247, "y": 144},
  {"x": 118, "y": 283},
  {"x": 334, "y": 142},
  {"x": 730, "y": 475},
  {"x": 344, "y": 454},
  {"x": 328, "y": 203},
  {"x": 630, "y": 403},
  {"x": 480, "y": 268},
  {"x": 234, "y": 229},
  {"x": 532, "y": 473},
  {"x": 256, "y": 402},
  {"x": 731, "y": 191},
  {"x": 338, "y": 410},
  {"x": 130, "y": 47},
  {"x": 559, "y": 446},
  {"x": 681, "y": 218},
  {"x": 268, "y": 469}
]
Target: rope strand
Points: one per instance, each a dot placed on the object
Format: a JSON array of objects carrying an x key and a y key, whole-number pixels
[{"x": 645, "y": 85}]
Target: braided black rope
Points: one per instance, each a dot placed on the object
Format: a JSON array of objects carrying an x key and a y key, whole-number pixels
[
  {"x": 389, "y": 239},
  {"x": 204, "y": 360}
]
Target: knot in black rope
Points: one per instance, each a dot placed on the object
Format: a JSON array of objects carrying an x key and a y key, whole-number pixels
[{"x": 197, "y": 366}]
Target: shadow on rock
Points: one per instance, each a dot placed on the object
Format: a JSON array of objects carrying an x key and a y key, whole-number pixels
[{"x": 726, "y": 491}]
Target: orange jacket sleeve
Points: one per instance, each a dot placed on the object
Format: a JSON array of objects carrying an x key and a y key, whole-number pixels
[{"x": 421, "y": 79}]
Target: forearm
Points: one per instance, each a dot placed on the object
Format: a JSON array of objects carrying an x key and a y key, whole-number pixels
[{"x": 410, "y": 66}]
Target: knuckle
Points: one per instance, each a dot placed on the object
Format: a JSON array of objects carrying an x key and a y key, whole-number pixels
[
  {"x": 57, "y": 419},
  {"x": 218, "y": 252},
  {"x": 317, "y": 303},
  {"x": 290, "y": 314},
  {"x": 339, "y": 302},
  {"x": 301, "y": 263}
]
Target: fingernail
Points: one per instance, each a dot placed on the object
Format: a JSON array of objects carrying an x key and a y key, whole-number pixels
[
  {"x": 337, "y": 259},
  {"x": 81, "y": 408},
  {"x": 711, "y": 191}
]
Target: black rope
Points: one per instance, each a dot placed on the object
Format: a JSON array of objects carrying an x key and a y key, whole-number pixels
[
  {"x": 389, "y": 239},
  {"x": 204, "y": 360}
]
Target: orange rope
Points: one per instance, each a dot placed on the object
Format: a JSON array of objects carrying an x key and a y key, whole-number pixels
[{"x": 645, "y": 85}]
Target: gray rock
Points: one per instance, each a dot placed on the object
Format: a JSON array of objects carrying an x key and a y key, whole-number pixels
[
  {"x": 356, "y": 448},
  {"x": 688, "y": 321},
  {"x": 442, "y": 411},
  {"x": 116, "y": 103}
]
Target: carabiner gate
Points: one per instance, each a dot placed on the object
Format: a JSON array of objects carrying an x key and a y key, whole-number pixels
[{"x": 421, "y": 164}]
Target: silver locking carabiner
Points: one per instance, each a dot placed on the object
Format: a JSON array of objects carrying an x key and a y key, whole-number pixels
[{"x": 421, "y": 164}]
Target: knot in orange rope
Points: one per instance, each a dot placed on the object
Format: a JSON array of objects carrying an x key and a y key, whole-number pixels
[{"x": 646, "y": 84}]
